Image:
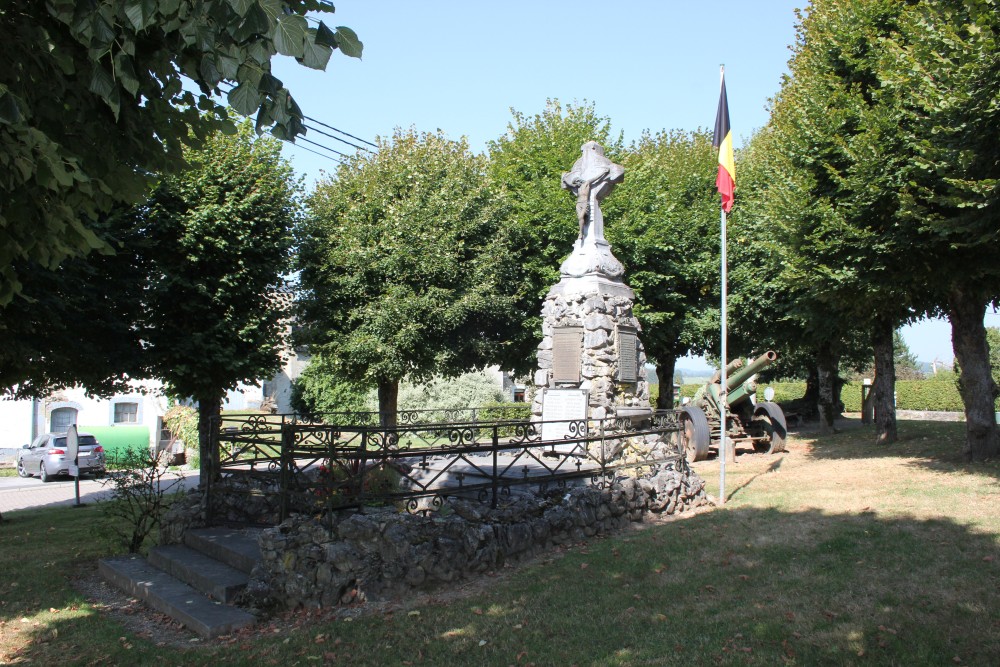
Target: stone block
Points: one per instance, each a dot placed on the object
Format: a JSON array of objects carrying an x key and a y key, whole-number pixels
[
  {"x": 598, "y": 321},
  {"x": 541, "y": 378},
  {"x": 593, "y": 340}
]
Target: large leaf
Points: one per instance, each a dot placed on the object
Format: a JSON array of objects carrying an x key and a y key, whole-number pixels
[
  {"x": 245, "y": 99},
  {"x": 325, "y": 36},
  {"x": 209, "y": 70},
  {"x": 241, "y": 7},
  {"x": 348, "y": 42},
  {"x": 10, "y": 108},
  {"x": 315, "y": 55},
  {"x": 290, "y": 35},
  {"x": 101, "y": 82}
]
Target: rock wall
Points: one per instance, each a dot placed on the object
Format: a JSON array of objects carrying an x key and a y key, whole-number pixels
[
  {"x": 600, "y": 314},
  {"x": 311, "y": 562}
]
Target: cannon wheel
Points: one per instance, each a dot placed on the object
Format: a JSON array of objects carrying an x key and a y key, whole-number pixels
[
  {"x": 696, "y": 433},
  {"x": 773, "y": 420}
]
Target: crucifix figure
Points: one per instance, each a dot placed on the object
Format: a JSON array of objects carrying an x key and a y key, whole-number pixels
[{"x": 592, "y": 177}]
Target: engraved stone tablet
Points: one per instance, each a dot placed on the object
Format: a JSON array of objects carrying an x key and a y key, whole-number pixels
[
  {"x": 628, "y": 357},
  {"x": 567, "y": 349},
  {"x": 560, "y": 407}
]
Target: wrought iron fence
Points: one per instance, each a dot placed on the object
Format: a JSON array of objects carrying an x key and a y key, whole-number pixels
[{"x": 273, "y": 465}]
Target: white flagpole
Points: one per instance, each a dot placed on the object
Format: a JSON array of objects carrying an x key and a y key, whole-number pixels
[
  {"x": 723, "y": 407},
  {"x": 723, "y": 403}
]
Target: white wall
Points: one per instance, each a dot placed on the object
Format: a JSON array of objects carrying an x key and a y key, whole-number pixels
[{"x": 15, "y": 423}]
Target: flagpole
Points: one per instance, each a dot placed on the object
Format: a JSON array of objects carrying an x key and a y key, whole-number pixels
[{"x": 723, "y": 403}]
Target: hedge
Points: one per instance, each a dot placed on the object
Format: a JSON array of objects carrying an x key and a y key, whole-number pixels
[{"x": 910, "y": 394}]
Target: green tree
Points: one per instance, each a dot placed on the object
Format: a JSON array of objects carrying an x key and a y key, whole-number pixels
[
  {"x": 406, "y": 268},
  {"x": 664, "y": 228},
  {"x": 837, "y": 168},
  {"x": 93, "y": 105},
  {"x": 319, "y": 391},
  {"x": 77, "y": 324},
  {"x": 944, "y": 67},
  {"x": 904, "y": 360},
  {"x": 993, "y": 340},
  {"x": 525, "y": 169},
  {"x": 215, "y": 300}
]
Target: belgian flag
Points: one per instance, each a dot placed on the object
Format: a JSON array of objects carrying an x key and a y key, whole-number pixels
[{"x": 723, "y": 140}]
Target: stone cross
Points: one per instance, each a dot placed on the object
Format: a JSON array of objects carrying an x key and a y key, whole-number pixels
[{"x": 592, "y": 177}]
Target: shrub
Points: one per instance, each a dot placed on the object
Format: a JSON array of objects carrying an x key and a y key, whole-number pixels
[
  {"x": 182, "y": 422},
  {"x": 138, "y": 496},
  {"x": 465, "y": 391}
]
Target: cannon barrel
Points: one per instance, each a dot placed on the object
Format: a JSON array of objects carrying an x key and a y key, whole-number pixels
[{"x": 746, "y": 372}]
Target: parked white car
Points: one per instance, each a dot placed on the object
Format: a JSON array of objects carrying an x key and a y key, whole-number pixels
[{"x": 48, "y": 457}]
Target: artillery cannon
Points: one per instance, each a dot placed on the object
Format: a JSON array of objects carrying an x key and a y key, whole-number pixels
[{"x": 760, "y": 424}]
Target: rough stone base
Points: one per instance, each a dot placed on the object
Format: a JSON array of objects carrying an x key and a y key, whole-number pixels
[{"x": 311, "y": 562}]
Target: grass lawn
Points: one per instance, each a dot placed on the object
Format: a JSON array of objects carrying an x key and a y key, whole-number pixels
[{"x": 835, "y": 553}]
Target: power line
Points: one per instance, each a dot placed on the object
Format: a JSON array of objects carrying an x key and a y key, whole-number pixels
[
  {"x": 327, "y": 148},
  {"x": 364, "y": 141},
  {"x": 306, "y": 148},
  {"x": 327, "y": 134}
]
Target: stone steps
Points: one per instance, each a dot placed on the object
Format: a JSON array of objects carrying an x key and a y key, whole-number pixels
[
  {"x": 194, "y": 582},
  {"x": 204, "y": 573}
]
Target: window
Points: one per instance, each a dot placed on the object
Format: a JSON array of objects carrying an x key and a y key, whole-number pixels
[
  {"x": 61, "y": 419},
  {"x": 126, "y": 413}
]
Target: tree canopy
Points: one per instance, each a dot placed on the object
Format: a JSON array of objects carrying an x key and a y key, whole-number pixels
[
  {"x": 215, "y": 301},
  {"x": 94, "y": 105},
  {"x": 405, "y": 266}
]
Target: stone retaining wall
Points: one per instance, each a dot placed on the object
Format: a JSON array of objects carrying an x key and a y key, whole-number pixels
[{"x": 310, "y": 562}]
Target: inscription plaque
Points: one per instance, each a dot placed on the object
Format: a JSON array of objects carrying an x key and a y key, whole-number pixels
[
  {"x": 559, "y": 408},
  {"x": 628, "y": 355},
  {"x": 567, "y": 349}
]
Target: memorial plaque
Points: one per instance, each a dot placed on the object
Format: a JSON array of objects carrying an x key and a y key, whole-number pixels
[
  {"x": 567, "y": 349},
  {"x": 628, "y": 355},
  {"x": 559, "y": 408}
]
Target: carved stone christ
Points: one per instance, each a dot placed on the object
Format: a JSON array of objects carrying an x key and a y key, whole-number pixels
[{"x": 592, "y": 177}]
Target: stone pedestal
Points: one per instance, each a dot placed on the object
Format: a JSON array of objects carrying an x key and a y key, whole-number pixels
[
  {"x": 592, "y": 302},
  {"x": 604, "y": 310}
]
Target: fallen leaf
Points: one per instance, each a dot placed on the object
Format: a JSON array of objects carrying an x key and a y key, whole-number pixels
[
  {"x": 482, "y": 642},
  {"x": 745, "y": 577},
  {"x": 988, "y": 559},
  {"x": 584, "y": 566}
]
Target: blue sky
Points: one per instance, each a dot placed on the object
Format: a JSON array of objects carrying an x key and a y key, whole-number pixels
[{"x": 461, "y": 65}]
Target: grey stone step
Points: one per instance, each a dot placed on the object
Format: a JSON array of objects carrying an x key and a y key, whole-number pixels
[
  {"x": 173, "y": 597},
  {"x": 207, "y": 575},
  {"x": 233, "y": 547}
]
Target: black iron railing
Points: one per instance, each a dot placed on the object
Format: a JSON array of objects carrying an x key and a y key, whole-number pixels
[{"x": 274, "y": 465}]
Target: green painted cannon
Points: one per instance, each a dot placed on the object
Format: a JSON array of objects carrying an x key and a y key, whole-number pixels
[{"x": 761, "y": 425}]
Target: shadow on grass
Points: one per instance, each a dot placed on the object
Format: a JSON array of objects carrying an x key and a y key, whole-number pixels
[
  {"x": 745, "y": 586},
  {"x": 934, "y": 445}
]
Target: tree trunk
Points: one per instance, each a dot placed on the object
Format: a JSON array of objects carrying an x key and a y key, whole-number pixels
[
  {"x": 828, "y": 397},
  {"x": 209, "y": 413},
  {"x": 806, "y": 406},
  {"x": 388, "y": 396},
  {"x": 975, "y": 382},
  {"x": 884, "y": 386},
  {"x": 665, "y": 374}
]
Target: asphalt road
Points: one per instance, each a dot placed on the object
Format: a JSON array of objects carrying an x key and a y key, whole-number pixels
[{"x": 18, "y": 493}]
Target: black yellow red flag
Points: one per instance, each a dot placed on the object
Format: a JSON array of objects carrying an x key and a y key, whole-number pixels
[{"x": 723, "y": 140}]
